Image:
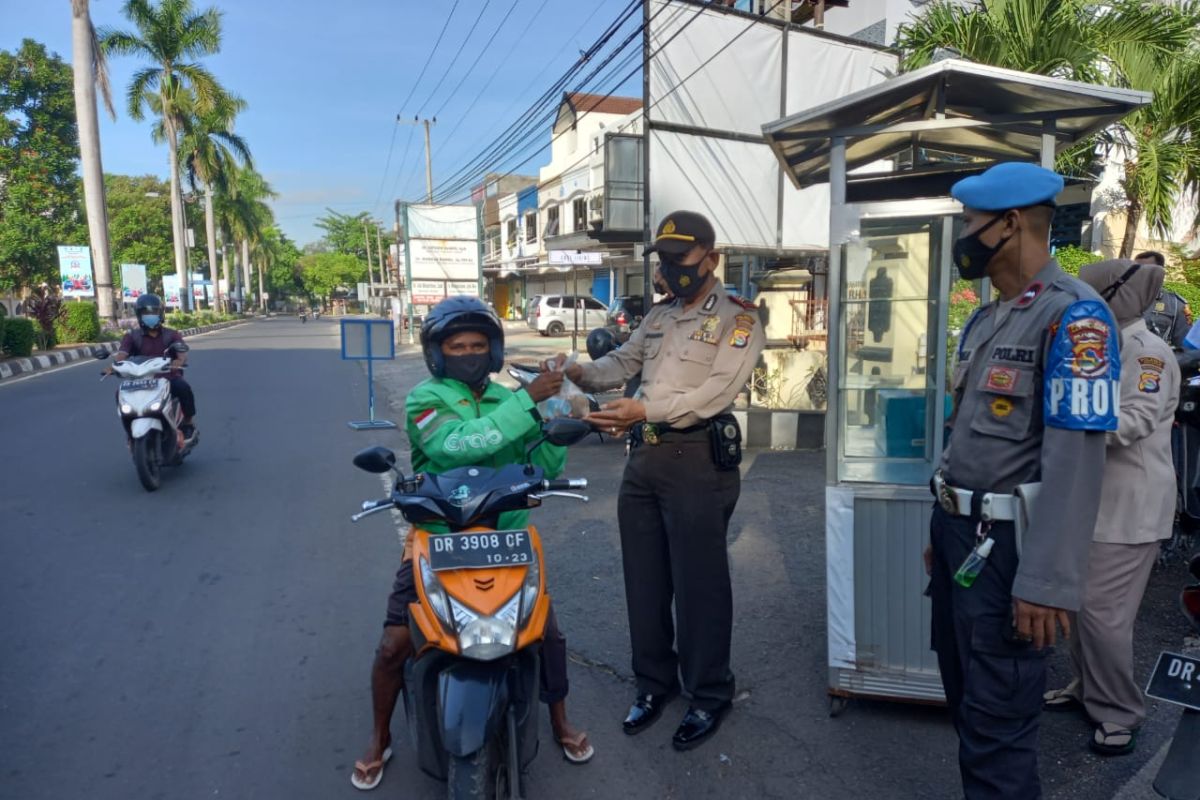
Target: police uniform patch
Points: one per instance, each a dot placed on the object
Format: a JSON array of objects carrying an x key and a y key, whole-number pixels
[
  {"x": 1002, "y": 379},
  {"x": 1002, "y": 407},
  {"x": 743, "y": 321},
  {"x": 707, "y": 332},
  {"x": 1160, "y": 306},
  {"x": 743, "y": 302},
  {"x": 1148, "y": 382},
  {"x": 1089, "y": 346},
  {"x": 710, "y": 303},
  {"x": 1083, "y": 370},
  {"x": 739, "y": 338},
  {"x": 1018, "y": 355},
  {"x": 1152, "y": 363}
]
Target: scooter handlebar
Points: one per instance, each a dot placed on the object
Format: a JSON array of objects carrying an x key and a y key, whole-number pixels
[
  {"x": 564, "y": 484},
  {"x": 370, "y": 507}
]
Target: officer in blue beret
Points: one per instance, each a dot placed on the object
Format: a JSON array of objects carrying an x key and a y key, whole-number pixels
[{"x": 1035, "y": 390}]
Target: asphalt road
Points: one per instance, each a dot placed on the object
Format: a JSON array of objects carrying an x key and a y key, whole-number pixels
[{"x": 213, "y": 639}]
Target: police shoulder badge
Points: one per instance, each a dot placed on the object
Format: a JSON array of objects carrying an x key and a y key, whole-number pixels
[
  {"x": 1150, "y": 379},
  {"x": 1083, "y": 370}
]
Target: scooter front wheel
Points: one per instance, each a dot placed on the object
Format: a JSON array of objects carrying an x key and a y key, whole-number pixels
[
  {"x": 475, "y": 777},
  {"x": 145, "y": 458}
]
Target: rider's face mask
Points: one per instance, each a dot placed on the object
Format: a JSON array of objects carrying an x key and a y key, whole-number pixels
[
  {"x": 151, "y": 320},
  {"x": 472, "y": 369}
]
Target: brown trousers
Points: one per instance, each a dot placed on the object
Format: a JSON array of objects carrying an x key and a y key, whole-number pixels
[{"x": 1102, "y": 632}]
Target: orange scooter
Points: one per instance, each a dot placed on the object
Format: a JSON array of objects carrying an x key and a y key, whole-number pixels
[{"x": 470, "y": 691}]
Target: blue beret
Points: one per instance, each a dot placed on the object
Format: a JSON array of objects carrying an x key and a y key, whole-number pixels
[{"x": 1013, "y": 184}]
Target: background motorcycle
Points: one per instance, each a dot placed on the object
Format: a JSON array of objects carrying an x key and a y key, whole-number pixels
[
  {"x": 470, "y": 691},
  {"x": 150, "y": 415}
]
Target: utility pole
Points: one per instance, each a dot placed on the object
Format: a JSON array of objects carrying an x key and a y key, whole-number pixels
[
  {"x": 428, "y": 153},
  {"x": 647, "y": 231},
  {"x": 379, "y": 256}
]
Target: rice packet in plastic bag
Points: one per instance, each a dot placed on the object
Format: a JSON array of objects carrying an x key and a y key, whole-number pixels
[{"x": 571, "y": 401}]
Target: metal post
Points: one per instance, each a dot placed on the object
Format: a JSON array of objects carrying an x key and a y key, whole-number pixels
[
  {"x": 408, "y": 274},
  {"x": 833, "y": 283},
  {"x": 1048, "y": 142},
  {"x": 575, "y": 302},
  {"x": 428, "y": 165},
  {"x": 367, "y": 238},
  {"x": 647, "y": 289},
  {"x": 379, "y": 255}
]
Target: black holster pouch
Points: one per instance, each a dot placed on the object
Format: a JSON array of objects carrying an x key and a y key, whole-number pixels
[{"x": 726, "y": 438}]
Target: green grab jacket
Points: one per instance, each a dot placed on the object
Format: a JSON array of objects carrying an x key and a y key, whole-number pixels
[{"x": 448, "y": 428}]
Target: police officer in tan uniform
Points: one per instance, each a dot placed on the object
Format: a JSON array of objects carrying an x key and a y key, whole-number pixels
[
  {"x": 1035, "y": 390},
  {"x": 1168, "y": 317},
  {"x": 1136, "y": 512},
  {"x": 681, "y": 482}
]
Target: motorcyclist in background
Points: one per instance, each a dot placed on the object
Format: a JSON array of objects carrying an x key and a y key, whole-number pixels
[{"x": 150, "y": 340}]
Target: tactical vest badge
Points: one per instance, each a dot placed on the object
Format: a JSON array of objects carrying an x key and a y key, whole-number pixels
[{"x": 1089, "y": 346}]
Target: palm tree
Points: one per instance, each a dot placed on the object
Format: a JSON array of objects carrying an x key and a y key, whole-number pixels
[
  {"x": 1150, "y": 46},
  {"x": 249, "y": 217},
  {"x": 210, "y": 152},
  {"x": 91, "y": 73},
  {"x": 170, "y": 35}
]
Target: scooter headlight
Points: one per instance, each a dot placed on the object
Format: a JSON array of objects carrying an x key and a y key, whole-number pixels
[
  {"x": 435, "y": 594},
  {"x": 485, "y": 638},
  {"x": 126, "y": 409},
  {"x": 529, "y": 589},
  {"x": 156, "y": 405}
]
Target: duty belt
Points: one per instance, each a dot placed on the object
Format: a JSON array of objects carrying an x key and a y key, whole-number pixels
[
  {"x": 652, "y": 433},
  {"x": 992, "y": 507}
]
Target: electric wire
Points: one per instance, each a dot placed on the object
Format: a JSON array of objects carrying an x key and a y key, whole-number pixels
[
  {"x": 454, "y": 58},
  {"x": 666, "y": 94},
  {"x": 522, "y": 126},
  {"x": 482, "y": 51}
]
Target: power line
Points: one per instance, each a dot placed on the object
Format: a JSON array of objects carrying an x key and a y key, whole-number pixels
[
  {"x": 645, "y": 113},
  {"x": 530, "y": 122},
  {"x": 454, "y": 58},
  {"x": 483, "y": 50},
  {"x": 411, "y": 91},
  {"x": 517, "y": 144},
  {"x": 496, "y": 70}
]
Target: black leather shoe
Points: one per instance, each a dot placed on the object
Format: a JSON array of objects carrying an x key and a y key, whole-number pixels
[
  {"x": 697, "y": 726},
  {"x": 645, "y": 710}
]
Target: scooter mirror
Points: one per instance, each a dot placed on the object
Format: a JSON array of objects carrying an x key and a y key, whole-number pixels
[
  {"x": 178, "y": 347},
  {"x": 99, "y": 354},
  {"x": 563, "y": 431},
  {"x": 375, "y": 459}
]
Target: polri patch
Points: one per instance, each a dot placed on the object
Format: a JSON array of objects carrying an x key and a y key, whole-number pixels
[
  {"x": 1152, "y": 363},
  {"x": 739, "y": 338},
  {"x": 1149, "y": 382},
  {"x": 1089, "y": 347},
  {"x": 1083, "y": 370},
  {"x": 1015, "y": 354},
  {"x": 1002, "y": 407}
]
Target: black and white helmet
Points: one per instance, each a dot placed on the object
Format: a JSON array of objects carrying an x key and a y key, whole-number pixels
[{"x": 152, "y": 305}]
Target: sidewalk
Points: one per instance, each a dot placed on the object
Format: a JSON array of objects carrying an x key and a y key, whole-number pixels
[{"x": 16, "y": 367}]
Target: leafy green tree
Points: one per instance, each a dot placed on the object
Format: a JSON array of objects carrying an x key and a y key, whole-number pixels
[
  {"x": 324, "y": 273},
  {"x": 345, "y": 233},
  {"x": 170, "y": 35},
  {"x": 40, "y": 194},
  {"x": 1148, "y": 46}
]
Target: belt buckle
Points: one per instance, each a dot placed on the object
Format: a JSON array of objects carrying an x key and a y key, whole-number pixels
[
  {"x": 650, "y": 433},
  {"x": 945, "y": 495}
]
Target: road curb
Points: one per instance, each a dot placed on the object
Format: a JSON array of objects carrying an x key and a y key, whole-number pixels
[{"x": 36, "y": 363}]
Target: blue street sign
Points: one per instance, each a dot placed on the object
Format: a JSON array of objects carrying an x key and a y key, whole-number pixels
[{"x": 369, "y": 340}]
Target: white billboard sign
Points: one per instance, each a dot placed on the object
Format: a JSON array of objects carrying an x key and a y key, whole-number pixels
[{"x": 572, "y": 257}]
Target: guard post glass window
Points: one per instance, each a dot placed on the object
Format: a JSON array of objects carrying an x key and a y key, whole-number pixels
[{"x": 889, "y": 405}]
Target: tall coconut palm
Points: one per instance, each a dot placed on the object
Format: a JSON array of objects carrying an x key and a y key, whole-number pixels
[
  {"x": 250, "y": 216},
  {"x": 1128, "y": 43},
  {"x": 91, "y": 73},
  {"x": 170, "y": 35},
  {"x": 210, "y": 152}
]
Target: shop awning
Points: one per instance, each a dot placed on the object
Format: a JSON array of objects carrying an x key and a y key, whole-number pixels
[{"x": 955, "y": 107}]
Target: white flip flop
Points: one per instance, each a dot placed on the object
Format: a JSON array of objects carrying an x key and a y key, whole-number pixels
[{"x": 367, "y": 786}]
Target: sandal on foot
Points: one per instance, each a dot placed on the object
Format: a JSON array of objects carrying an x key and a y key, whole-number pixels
[
  {"x": 577, "y": 749},
  {"x": 367, "y": 782},
  {"x": 1062, "y": 699},
  {"x": 1110, "y": 739}
]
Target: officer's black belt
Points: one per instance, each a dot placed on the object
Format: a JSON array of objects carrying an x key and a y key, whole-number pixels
[{"x": 656, "y": 433}]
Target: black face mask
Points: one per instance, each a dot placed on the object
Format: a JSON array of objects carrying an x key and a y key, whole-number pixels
[
  {"x": 473, "y": 369},
  {"x": 684, "y": 281},
  {"x": 972, "y": 256}
]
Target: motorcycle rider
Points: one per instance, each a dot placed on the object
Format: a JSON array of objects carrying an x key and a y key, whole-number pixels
[
  {"x": 459, "y": 418},
  {"x": 151, "y": 339}
]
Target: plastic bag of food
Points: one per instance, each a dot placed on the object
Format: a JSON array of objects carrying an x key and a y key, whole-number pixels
[{"x": 571, "y": 401}]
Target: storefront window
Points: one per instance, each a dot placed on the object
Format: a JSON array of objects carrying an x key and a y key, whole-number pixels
[{"x": 890, "y": 408}]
